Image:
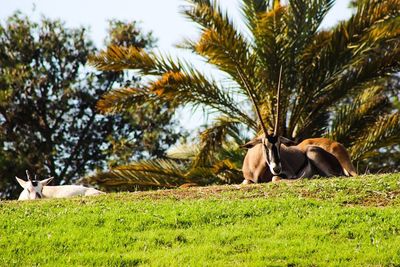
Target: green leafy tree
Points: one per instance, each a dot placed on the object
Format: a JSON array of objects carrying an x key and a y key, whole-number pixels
[
  {"x": 337, "y": 82},
  {"x": 49, "y": 122}
]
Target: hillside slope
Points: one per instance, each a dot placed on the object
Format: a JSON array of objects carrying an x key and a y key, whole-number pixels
[{"x": 319, "y": 222}]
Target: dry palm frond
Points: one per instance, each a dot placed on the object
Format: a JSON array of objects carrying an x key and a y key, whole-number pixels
[
  {"x": 227, "y": 171},
  {"x": 155, "y": 173},
  {"x": 183, "y": 152},
  {"x": 162, "y": 173}
]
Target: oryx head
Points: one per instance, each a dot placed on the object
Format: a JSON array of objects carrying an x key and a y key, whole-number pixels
[
  {"x": 33, "y": 188},
  {"x": 271, "y": 151}
]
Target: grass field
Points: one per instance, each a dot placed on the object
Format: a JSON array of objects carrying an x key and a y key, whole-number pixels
[{"x": 340, "y": 222}]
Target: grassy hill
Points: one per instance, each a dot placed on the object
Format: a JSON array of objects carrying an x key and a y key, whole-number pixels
[{"x": 318, "y": 222}]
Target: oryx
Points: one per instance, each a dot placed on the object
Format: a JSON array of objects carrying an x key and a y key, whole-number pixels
[
  {"x": 34, "y": 189},
  {"x": 268, "y": 156}
]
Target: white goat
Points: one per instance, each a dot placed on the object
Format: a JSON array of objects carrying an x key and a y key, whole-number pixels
[{"x": 34, "y": 189}]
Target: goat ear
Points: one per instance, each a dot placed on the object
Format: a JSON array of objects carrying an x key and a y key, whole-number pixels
[
  {"x": 46, "y": 181},
  {"x": 252, "y": 143},
  {"x": 21, "y": 182}
]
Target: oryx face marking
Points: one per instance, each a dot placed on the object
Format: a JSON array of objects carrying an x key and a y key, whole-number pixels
[
  {"x": 271, "y": 151},
  {"x": 33, "y": 189}
]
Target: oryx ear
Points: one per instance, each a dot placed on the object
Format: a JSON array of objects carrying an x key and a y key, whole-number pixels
[
  {"x": 46, "y": 181},
  {"x": 287, "y": 141},
  {"x": 252, "y": 143},
  {"x": 21, "y": 182}
]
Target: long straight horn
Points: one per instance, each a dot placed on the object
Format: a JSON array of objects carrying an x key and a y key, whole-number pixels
[
  {"x": 278, "y": 98},
  {"x": 250, "y": 93},
  {"x": 27, "y": 175}
]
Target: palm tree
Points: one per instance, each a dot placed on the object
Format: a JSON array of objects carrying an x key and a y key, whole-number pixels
[{"x": 337, "y": 82}]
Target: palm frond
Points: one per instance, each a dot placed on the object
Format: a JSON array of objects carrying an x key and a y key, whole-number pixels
[
  {"x": 303, "y": 18},
  {"x": 177, "y": 80},
  {"x": 118, "y": 58},
  {"x": 183, "y": 152},
  {"x": 190, "y": 86},
  {"x": 359, "y": 70},
  {"x": 221, "y": 43},
  {"x": 385, "y": 132},
  {"x": 161, "y": 173},
  {"x": 119, "y": 100},
  {"x": 269, "y": 36},
  {"x": 154, "y": 173},
  {"x": 269, "y": 42},
  {"x": 364, "y": 110},
  {"x": 227, "y": 171},
  {"x": 224, "y": 167},
  {"x": 326, "y": 59},
  {"x": 251, "y": 10},
  {"x": 212, "y": 139}
]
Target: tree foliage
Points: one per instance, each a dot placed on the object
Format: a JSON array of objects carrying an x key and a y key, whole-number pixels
[
  {"x": 337, "y": 82},
  {"x": 49, "y": 123}
]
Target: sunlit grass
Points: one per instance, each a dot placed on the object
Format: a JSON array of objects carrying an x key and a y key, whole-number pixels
[{"x": 312, "y": 222}]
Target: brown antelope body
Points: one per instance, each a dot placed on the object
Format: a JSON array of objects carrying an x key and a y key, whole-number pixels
[{"x": 307, "y": 159}]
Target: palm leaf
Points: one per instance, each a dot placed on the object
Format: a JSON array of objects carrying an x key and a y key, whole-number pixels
[
  {"x": 220, "y": 43},
  {"x": 119, "y": 100},
  {"x": 118, "y": 58},
  {"x": 162, "y": 173},
  {"x": 213, "y": 138},
  {"x": 183, "y": 152},
  {"x": 190, "y": 86},
  {"x": 178, "y": 80},
  {"x": 159, "y": 173},
  {"x": 251, "y": 10},
  {"x": 365, "y": 109},
  {"x": 385, "y": 132}
]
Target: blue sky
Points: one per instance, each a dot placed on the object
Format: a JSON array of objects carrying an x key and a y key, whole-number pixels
[{"x": 160, "y": 16}]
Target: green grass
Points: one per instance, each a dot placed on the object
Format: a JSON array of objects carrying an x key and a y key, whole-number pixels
[{"x": 339, "y": 222}]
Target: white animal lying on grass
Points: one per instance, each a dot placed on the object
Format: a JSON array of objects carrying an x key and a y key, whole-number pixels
[{"x": 34, "y": 189}]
